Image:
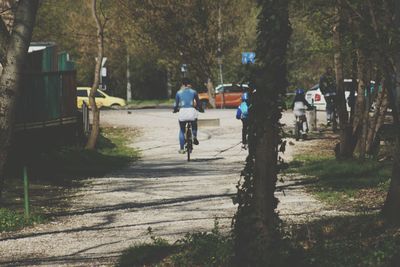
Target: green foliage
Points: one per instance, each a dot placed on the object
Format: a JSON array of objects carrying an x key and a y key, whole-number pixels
[
  {"x": 345, "y": 183},
  {"x": 11, "y": 220},
  {"x": 145, "y": 254},
  {"x": 149, "y": 79},
  {"x": 196, "y": 249},
  {"x": 361, "y": 240},
  {"x": 204, "y": 249}
]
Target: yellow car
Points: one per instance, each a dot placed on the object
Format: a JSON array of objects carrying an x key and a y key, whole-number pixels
[{"x": 102, "y": 99}]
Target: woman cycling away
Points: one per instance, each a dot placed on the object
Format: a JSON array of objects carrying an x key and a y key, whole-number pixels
[
  {"x": 186, "y": 102},
  {"x": 299, "y": 107}
]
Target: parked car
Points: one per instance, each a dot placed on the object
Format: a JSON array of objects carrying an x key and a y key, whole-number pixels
[
  {"x": 314, "y": 95},
  {"x": 226, "y": 95},
  {"x": 102, "y": 99}
]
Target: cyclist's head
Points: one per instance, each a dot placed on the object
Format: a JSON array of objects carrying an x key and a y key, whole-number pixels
[
  {"x": 299, "y": 91},
  {"x": 186, "y": 81},
  {"x": 245, "y": 96}
]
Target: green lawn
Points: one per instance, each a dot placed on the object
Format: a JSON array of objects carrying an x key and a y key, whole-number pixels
[
  {"x": 150, "y": 103},
  {"x": 349, "y": 184}
]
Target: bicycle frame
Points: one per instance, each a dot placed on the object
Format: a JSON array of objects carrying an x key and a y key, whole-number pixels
[
  {"x": 299, "y": 127},
  {"x": 188, "y": 139}
]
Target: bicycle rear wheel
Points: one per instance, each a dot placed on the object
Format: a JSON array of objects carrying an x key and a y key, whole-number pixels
[
  {"x": 297, "y": 130},
  {"x": 189, "y": 142}
]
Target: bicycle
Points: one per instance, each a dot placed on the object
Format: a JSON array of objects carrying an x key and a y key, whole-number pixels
[
  {"x": 188, "y": 139},
  {"x": 300, "y": 126},
  {"x": 330, "y": 104}
]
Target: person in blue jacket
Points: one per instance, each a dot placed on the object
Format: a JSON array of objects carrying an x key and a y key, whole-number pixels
[
  {"x": 242, "y": 113},
  {"x": 187, "y": 103}
]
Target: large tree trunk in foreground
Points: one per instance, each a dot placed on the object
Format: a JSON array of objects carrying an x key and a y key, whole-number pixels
[
  {"x": 256, "y": 220},
  {"x": 94, "y": 133},
  {"x": 10, "y": 80}
]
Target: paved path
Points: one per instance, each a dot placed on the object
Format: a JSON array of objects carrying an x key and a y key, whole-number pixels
[{"x": 162, "y": 191}]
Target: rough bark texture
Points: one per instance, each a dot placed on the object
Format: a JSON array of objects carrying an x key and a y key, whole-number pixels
[
  {"x": 11, "y": 75},
  {"x": 256, "y": 240},
  {"x": 377, "y": 119},
  {"x": 4, "y": 39},
  {"x": 345, "y": 128},
  {"x": 211, "y": 92},
  {"x": 392, "y": 204},
  {"x": 94, "y": 133}
]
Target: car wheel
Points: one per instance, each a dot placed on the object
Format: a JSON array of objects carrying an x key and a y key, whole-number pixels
[{"x": 115, "y": 106}]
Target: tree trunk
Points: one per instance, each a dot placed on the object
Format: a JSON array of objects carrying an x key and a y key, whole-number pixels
[
  {"x": 345, "y": 127},
  {"x": 94, "y": 133},
  {"x": 378, "y": 119},
  {"x": 392, "y": 204},
  {"x": 256, "y": 220},
  {"x": 211, "y": 92},
  {"x": 364, "y": 128},
  {"x": 360, "y": 100},
  {"x": 10, "y": 80},
  {"x": 4, "y": 39}
]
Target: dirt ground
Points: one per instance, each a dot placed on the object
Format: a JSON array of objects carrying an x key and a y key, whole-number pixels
[{"x": 162, "y": 191}]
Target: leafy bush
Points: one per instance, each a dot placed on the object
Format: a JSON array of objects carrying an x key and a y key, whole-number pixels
[
  {"x": 205, "y": 249},
  {"x": 10, "y": 220}
]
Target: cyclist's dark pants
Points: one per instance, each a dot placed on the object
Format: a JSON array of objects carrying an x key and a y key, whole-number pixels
[
  {"x": 182, "y": 125},
  {"x": 245, "y": 128},
  {"x": 330, "y": 106}
]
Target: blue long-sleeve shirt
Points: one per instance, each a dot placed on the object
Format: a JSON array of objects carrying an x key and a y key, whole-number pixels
[{"x": 187, "y": 98}]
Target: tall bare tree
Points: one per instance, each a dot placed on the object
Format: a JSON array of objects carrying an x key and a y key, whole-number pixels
[
  {"x": 345, "y": 150},
  {"x": 10, "y": 81},
  {"x": 94, "y": 133}
]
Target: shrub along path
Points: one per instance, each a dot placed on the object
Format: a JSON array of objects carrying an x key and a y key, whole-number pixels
[{"x": 161, "y": 191}]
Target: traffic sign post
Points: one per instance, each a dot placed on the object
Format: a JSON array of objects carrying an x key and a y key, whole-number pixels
[
  {"x": 248, "y": 57},
  {"x": 184, "y": 70},
  {"x": 103, "y": 74}
]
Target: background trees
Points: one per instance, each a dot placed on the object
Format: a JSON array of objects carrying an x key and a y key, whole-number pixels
[{"x": 158, "y": 35}]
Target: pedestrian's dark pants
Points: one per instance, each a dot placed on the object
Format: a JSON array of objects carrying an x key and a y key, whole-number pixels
[
  {"x": 244, "y": 131},
  {"x": 182, "y": 125}
]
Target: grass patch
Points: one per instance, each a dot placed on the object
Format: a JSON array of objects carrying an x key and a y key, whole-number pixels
[
  {"x": 112, "y": 153},
  {"x": 147, "y": 254},
  {"x": 363, "y": 240},
  {"x": 195, "y": 249},
  {"x": 346, "y": 184},
  {"x": 11, "y": 220},
  {"x": 153, "y": 102}
]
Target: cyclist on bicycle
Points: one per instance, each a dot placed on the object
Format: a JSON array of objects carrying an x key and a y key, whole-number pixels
[
  {"x": 327, "y": 85},
  {"x": 299, "y": 107},
  {"x": 187, "y": 103}
]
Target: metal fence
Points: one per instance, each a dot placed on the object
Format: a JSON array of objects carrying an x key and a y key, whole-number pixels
[{"x": 47, "y": 98}]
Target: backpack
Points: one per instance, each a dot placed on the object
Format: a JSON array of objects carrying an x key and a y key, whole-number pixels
[{"x": 245, "y": 110}]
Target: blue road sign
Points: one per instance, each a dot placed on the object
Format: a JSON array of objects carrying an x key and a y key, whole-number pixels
[{"x": 248, "y": 58}]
